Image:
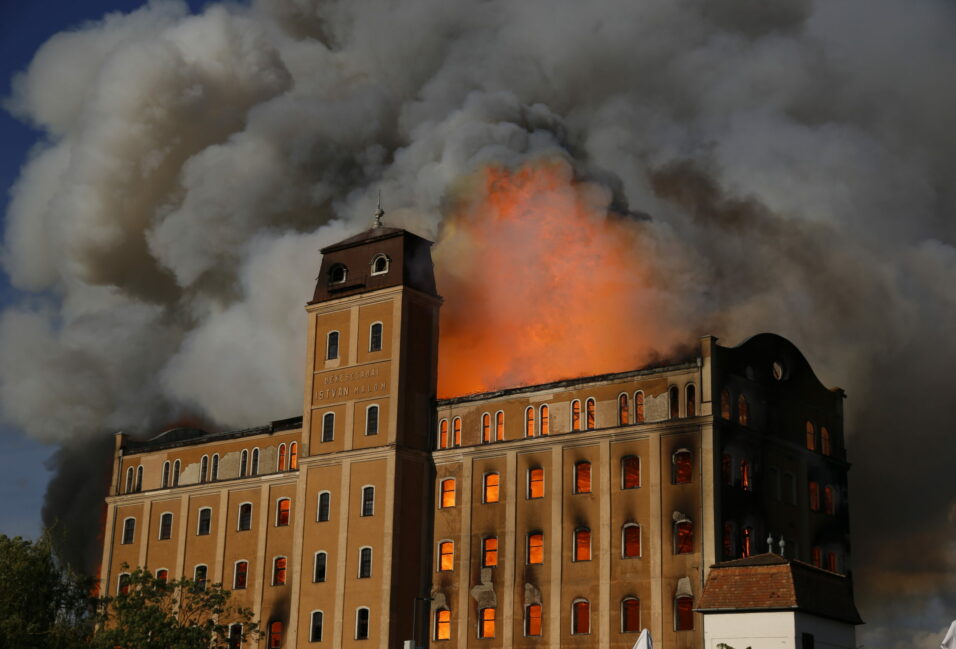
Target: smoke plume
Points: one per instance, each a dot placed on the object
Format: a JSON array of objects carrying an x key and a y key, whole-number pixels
[{"x": 779, "y": 167}]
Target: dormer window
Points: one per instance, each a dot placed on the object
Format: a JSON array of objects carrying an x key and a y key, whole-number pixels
[
  {"x": 338, "y": 274},
  {"x": 379, "y": 264}
]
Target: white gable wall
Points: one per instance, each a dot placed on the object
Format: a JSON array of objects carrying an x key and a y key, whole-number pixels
[
  {"x": 763, "y": 630},
  {"x": 827, "y": 634}
]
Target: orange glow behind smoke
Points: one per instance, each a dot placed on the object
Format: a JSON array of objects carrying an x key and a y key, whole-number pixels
[{"x": 541, "y": 282}]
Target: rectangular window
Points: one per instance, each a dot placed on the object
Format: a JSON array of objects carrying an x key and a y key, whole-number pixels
[
  {"x": 165, "y": 526},
  {"x": 368, "y": 501},
  {"x": 536, "y": 483},
  {"x": 536, "y": 548},
  {"x": 486, "y": 623},
  {"x": 582, "y": 478},
  {"x": 315, "y": 633},
  {"x": 279, "y": 571},
  {"x": 321, "y": 566},
  {"x": 630, "y": 472},
  {"x": 332, "y": 347},
  {"x": 491, "y": 488},
  {"x": 532, "y": 620},
  {"x": 447, "y": 493},
  {"x": 283, "y": 509},
  {"x": 199, "y": 576},
  {"x": 371, "y": 420},
  {"x": 328, "y": 427},
  {"x": 489, "y": 552},
  {"x": 582, "y": 544},
  {"x": 129, "y": 530},
  {"x": 240, "y": 576},
  {"x": 205, "y": 521},
  {"x": 685, "y": 614},
  {"x": 443, "y": 624},
  {"x": 446, "y": 556},
  {"x": 814, "y": 497},
  {"x": 325, "y": 505}
]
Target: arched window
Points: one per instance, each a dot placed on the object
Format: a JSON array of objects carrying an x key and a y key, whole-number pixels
[
  {"x": 122, "y": 585},
  {"x": 580, "y": 617},
  {"x": 582, "y": 478},
  {"x": 545, "y": 420},
  {"x": 328, "y": 427},
  {"x": 139, "y": 478},
  {"x": 582, "y": 544},
  {"x": 361, "y": 623},
  {"x": 684, "y": 613},
  {"x": 215, "y": 467},
  {"x": 831, "y": 562},
  {"x": 365, "y": 563},
  {"x": 254, "y": 469},
  {"x": 446, "y": 556},
  {"x": 443, "y": 434},
  {"x": 456, "y": 431},
  {"x": 205, "y": 521},
  {"x": 683, "y": 466},
  {"x": 825, "y": 446},
  {"x": 691, "y": 393},
  {"x": 829, "y": 500},
  {"x": 630, "y": 615},
  {"x": 630, "y": 472},
  {"x": 315, "y": 626},
  {"x": 379, "y": 264},
  {"x": 491, "y": 486},
  {"x": 203, "y": 468},
  {"x": 245, "y": 517},
  {"x": 589, "y": 407},
  {"x": 162, "y": 575},
  {"x": 532, "y": 620},
  {"x": 368, "y": 501},
  {"x": 338, "y": 274},
  {"x": 129, "y": 480},
  {"x": 283, "y": 509},
  {"x": 129, "y": 530},
  {"x": 275, "y": 632},
  {"x": 332, "y": 346},
  {"x": 743, "y": 412},
  {"x": 631, "y": 541},
  {"x": 536, "y": 548},
  {"x": 673, "y": 400},
  {"x": 575, "y": 415},
  {"x": 623, "y": 412},
  {"x": 165, "y": 474},
  {"x": 638, "y": 407},
  {"x": 240, "y": 575},
  {"x": 725, "y": 404},
  {"x": 747, "y": 542},
  {"x": 371, "y": 420},
  {"x": 325, "y": 506},
  {"x": 199, "y": 576},
  {"x": 166, "y": 526},
  {"x": 293, "y": 456},
  {"x": 447, "y": 498},
  {"x": 279, "y": 571},
  {"x": 814, "y": 488},
  {"x": 375, "y": 337},
  {"x": 243, "y": 463},
  {"x": 811, "y": 436},
  {"x": 486, "y": 623},
  {"x": 443, "y": 624},
  {"x": 489, "y": 552},
  {"x": 535, "y": 483},
  {"x": 499, "y": 426},
  {"x": 816, "y": 557},
  {"x": 529, "y": 422},
  {"x": 321, "y": 567},
  {"x": 730, "y": 540},
  {"x": 683, "y": 537},
  {"x": 280, "y": 463},
  {"x": 176, "y": 466},
  {"x": 745, "y": 483},
  {"x": 486, "y": 428}
]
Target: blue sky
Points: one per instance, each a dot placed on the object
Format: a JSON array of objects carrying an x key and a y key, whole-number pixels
[{"x": 24, "y": 27}]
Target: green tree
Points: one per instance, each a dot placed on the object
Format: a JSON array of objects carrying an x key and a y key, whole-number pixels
[
  {"x": 181, "y": 614},
  {"x": 43, "y": 604}
]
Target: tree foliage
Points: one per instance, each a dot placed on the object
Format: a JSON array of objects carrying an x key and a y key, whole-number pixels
[
  {"x": 179, "y": 614},
  {"x": 43, "y": 604}
]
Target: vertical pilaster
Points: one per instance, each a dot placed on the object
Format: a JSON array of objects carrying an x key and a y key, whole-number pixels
[
  {"x": 656, "y": 536},
  {"x": 385, "y": 605},
  {"x": 144, "y": 533},
  {"x": 511, "y": 506},
  {"x": 604, "y": 559},
  {"x": 261, "y": 551},
  {"x": 341, "y": 554},
  {"x": 217, "y": 575},
  {"x": 555, "y": 545},
  {"x": 298, "y": 538},
  {"x": 462, "y": 560}
]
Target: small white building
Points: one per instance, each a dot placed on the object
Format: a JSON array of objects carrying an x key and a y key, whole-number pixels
[{"x": 770, "y": 602}]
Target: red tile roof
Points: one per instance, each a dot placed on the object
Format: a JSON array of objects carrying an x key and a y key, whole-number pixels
[{"x": 771, "y": 582}]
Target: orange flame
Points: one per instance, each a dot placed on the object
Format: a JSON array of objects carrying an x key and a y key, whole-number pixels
[{"x": 542, "y": 282}]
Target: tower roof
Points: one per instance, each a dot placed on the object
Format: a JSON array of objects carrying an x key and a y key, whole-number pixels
[{"x": 769, "y": 582}]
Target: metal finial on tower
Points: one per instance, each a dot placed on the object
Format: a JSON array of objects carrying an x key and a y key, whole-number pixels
[
  {"x": 379, "y": 212},
  {"x": 769, "y": 542}
]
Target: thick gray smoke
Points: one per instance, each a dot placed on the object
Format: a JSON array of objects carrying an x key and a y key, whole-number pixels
[{"x": 796, "y": 158}]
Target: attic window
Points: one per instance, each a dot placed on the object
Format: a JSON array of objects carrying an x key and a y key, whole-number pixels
[
  {"x": 379, "y": 264},
  {"x": 338, "y": 274}
]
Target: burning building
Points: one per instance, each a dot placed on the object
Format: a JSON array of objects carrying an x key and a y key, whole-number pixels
[{"x": 573, "y": 513}]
